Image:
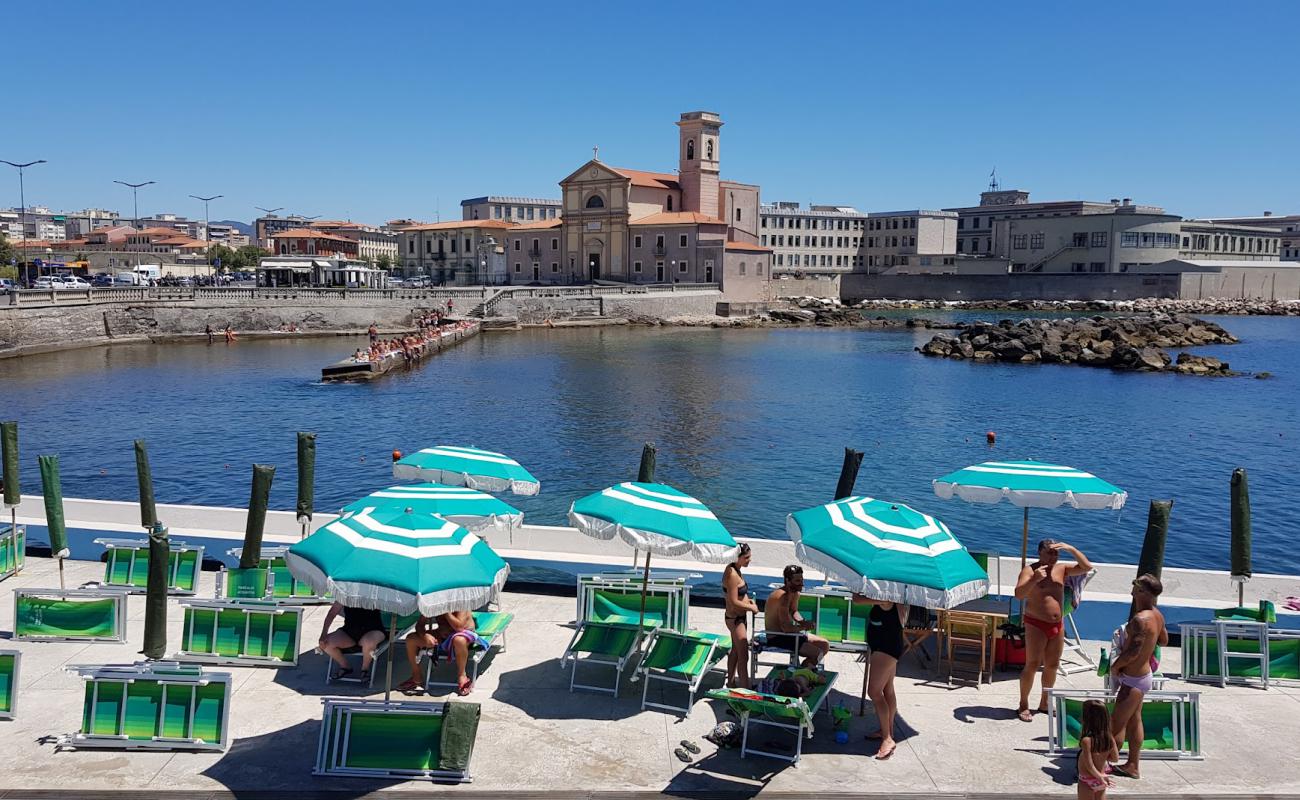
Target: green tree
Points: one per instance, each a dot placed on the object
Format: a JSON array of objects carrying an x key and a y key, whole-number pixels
[
  {"x": 224, "y": 253},
  {"x": 248, "y": 255},
  {"x": 384, "y": 262}
]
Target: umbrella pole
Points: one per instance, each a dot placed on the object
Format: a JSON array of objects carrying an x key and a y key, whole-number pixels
[
  {"x": 13, "y": 539},
  {"x": 1024, "y": 556},
  {"x": 392, "y": 648},
  {"x": 62, "y": 588},
  {"x": 645, "y": 587}
]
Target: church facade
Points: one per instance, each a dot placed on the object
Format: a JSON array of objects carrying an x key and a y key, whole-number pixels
[{"x": 633, "y": 226}]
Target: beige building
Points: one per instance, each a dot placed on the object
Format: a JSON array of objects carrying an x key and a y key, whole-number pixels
[
  {"x": 1288, "y": 225},
  {"x": 373, "y": 243},
  {"x": 819, "y": 240},
  {"x": 457, "y": 253},
  {"x": 510, "y": 209},
  {"x": 909, "y": 241}
]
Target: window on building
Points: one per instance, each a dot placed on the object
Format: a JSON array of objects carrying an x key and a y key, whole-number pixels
[
  {"x": 1097, "y": 266},
  {"x": 758, "y": 269},
  {"x": 595, "y": 201},
  {"x": 1079, "y": 240},
  {"x": 555, "y": 244},
  {"x": 670, "y": 202},
  {"x": 410, "y": 245},
  {"x": 636, "y": 266},
  {"x": 682, "y": 266},
  {"x": 519, "y": 244},
  {"x": 741, "y": 270},
  {"x": 974, "y": 222},
  {"x": 555, "y": 266},
  {"x": 738, "y": 215},
  {"x": 659, "y": 241},
  {"x": 1128, "y": 239},
  {"x": 1077, "y": 266},
  {"x": 690, "y": 149},
  {"x": 708, "y": 149},
  {"x": 453, "y": 245},
  {"x": 1036, "y": 241},
  {"x": 518, "y": 267},
  {"x": 1098, "y": 239},
  {"x": 537, "y": 246},
  {"x": 636, "y": 241},
  {"x": 961, "y": 245},
  {"x": 762, "y": 240},
  {"x": 681, "y": 240}
]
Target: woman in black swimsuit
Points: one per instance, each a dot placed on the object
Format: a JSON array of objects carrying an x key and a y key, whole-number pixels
[
  {"x": 739, "y": 606},
  {"x": 362, "y": 627},
  {"x": 885, "y": 638}
]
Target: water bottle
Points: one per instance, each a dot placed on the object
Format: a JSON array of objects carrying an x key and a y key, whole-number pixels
[{"x": 1103, "y": 663}]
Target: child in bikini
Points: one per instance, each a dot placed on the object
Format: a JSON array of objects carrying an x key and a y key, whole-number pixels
[{"x": 1097, "y": 750}]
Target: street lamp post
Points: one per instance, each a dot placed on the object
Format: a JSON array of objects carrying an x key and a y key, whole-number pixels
[
  {"x": 268, "y": 212},
  {"x": 135, "y": 210},
  {"x": 22, "y": 201},
  {"x": 207, "y": 235},
  {"x": 487, "y": 246}
]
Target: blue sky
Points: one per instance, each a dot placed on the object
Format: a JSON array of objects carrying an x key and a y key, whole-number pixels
[{"x": 381, "y": 110}]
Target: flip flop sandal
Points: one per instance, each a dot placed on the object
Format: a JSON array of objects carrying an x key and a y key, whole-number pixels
[
  {"x": 363, "y": 676},
  {"x": 1120, "y": 771},
  {"x": 691, "y": 747},
  {"x": 342, "y": 675},
  {"x": 682, "y": 755},
  {"x": 409, "y": 687},
  {"x": 465, "y": 688}
]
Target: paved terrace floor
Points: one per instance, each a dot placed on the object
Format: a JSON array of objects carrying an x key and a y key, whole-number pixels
[{"x": 536, "y": 736}]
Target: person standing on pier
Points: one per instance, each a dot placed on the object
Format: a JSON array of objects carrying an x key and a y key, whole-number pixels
[
  {"x": 374, "y": 334},
  {"x": 1042, "y": 588},
  {"x": 739, "y": 605},
  {"x": 1133, "y": 667}
]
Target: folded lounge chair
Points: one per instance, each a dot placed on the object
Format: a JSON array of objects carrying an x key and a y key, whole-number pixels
[
  {"x": 616, "y": 597},
  {"x": 10, "y": 661},
  {"x": 609, "y": 644},
  {"x": 1171, "y": 720},
  {"x": 787, "y": 713},
  {"x": 246, "y": 633},
  {"x": 1230, "y": 651},
  {"x": 402, "y": 739},
  {"x": 271, "y": 577},
  {"x": 127, "y": 565},
  {"x": 70, "y": 615},
  {"x": 680, "y": 658},
  {"x": 491, "y": 626},
  {"x": 13, "y": 549},
  {"x": 158, "y": 705}
]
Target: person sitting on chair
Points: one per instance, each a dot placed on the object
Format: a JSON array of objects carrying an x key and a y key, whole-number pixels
[
  {"x": 784, "y": 624},
  {"x": 362, "y": 627}
]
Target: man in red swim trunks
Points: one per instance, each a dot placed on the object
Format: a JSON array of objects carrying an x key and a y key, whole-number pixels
[{"x": 1042, "y": 586}]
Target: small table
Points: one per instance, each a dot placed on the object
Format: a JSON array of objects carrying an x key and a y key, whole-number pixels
[{"x": 996, "y": 609}]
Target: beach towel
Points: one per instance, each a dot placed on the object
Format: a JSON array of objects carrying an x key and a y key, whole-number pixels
[
  {"x": 459, "y": 727},
  {"x": 474, "y": 641}
]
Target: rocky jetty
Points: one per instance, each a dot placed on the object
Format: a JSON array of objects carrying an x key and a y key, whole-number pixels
[
  {"x": 1125, "y": 343},
  {"x": 1151, "y": 305}
]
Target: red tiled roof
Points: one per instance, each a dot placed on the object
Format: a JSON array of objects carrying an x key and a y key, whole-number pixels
[
  {"x": 308, "y": 233},
  {"x": 655, "y": 180},
  {"x": 161, "y": 231},
  {"x": 678, "y": 218},
  {"x": 540, "y": 224},
  {"x": 463, "y": 223},
  {"x": 732, "y": 245}
]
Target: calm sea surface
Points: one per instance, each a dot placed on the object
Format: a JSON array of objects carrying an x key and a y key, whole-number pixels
[{"x": 752, "y": 422}]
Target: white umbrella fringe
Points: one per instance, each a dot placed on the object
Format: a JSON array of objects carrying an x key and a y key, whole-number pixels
[
  {"x": 657, "y": 543},
  {"x": 474, "y": 523},
  {"x": 891, "y": 591},
  {"x": 382, "y": 598},
  {"x": 482, "y": 483},
  {"x": 1029, "y": 498}
]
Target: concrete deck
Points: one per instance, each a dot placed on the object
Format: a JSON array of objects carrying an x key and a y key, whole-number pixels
[{"x": 536, "y": 736}]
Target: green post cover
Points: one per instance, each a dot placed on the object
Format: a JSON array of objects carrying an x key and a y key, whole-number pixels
[
  {"x": 9, "y": 454},
  {"x": 155, "y": 598},
  {"x": 848, "y": 473},
  {"x": 261, "y": 494},
  {"x": 1240, "y": 524},
  {"x": 148, "y": 512},
  {"x": 306, "y": 476},
  {"x": 53, "y": 492},
  {"x": 1152, "y": 559},
  {"x": 646, "y": 472}
]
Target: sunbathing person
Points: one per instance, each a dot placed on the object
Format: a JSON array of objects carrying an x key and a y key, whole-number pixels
[
  {"x": 421, "y": 638},
  {"x": 785, "y": 625},
  {"x": 362, "y": 627},
  {"x": 452, "y": 636}
]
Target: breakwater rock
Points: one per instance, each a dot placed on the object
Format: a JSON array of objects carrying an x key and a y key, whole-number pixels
[
  {"x": 1151, "y": 305},
  {"x": 1126, "y": 343}
]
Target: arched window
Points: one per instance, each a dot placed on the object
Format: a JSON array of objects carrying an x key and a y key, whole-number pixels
[
  {"x": 690, "y": 149},
  {"x": 708, "y": 149},
  {"x": 595, "y": 201}
]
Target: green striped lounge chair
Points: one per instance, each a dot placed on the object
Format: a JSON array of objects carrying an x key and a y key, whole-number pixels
[
  {"x": 622, "y": 604},
  {"x": 770, "y": 710},
  {"x": 270, "y": 579},
  {"x": 13, "y": 549},
  {"x": 127, "y": 565},
  {"x": 404, "y": 626},
  {"x": 152, "y": 705},
  {"x": 682, "y": 659},
  {"x": 491, "y": 625},
  {"x": 10, "y": 661},
  {"x": 628, "y": 584},
  {"x": 70, "y": 615},
  {"x": 1171, "y": 722},
  {"x": 402, "y": 740},
  {"x": 248, "y": 633},
  {"x": 1228, "y": 650},
  {"x": 601, "y": 644}
]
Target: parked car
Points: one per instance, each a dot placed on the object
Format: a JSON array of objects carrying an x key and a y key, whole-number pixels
[
  {"x": 7, "y": 284},
  {"x": 75, "y": 282},
  {"x": 48, "y": 282}
]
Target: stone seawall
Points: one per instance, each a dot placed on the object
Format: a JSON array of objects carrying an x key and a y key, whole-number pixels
[{"x": 26, "y": 330}]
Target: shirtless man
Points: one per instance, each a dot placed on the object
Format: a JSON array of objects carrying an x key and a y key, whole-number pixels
[
  {"x": 1042, "y": 586},
  {"x": 782, "y": 620},
  {"x": 1132, "y": 668}
]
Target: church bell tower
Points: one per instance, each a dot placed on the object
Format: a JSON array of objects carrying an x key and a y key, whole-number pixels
[{"x": 698, "y": 134}]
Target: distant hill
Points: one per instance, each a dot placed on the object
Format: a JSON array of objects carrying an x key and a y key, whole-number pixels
[{"x": 243, "y": 227}]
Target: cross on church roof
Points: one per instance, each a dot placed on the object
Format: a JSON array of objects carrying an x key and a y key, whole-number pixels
[{"x": 595, "y": 153}]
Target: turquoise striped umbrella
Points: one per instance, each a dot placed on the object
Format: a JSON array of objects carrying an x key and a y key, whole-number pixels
[
  {"x": 466, "y": 466},
  {"x": 655, "y": 518},
  {"x": 887, "y": 551},
  {"x": 469, "y": 508},
  {"x": 399, "y": 561},
  {"x": 1029, "y": 484}
]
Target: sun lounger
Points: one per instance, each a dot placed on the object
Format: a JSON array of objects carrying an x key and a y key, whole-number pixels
[
  {"x": 682, "y": 659},
  {"x": 69, "y": 615},
  {"x": 128, "y": 565},
  {"x": 1171, "y": 720},
  {"x": 246, "y": 633},
  {"x": 271, "y": 577},
  {"x": 786, "y": 713},
  {"x": 666, "y": 605},
  {"x": 491, "y": 626},
  {"x": 835, "y": 617},
  {"x": 1207, "y": 647},
  {"x": 13, "y": 549},
  {"x": 158, "y": 705},
  {"x": 609, "y": 644},
  {"x": 399, "y": 740},
  {"x": 10, "y": 661},
  {"x": 404, "y": 626}
]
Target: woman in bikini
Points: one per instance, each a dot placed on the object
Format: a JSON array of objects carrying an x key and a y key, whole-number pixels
[
  {"x": 739, "y": 606},
  {"x": 885, "y": 638}
]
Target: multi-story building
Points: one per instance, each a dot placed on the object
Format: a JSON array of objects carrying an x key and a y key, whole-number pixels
[
  {"x": 909, "y": 241},
  {"x": 821, "y": 239},
  {"x": 533, "y": 252},
  {"x": 309, "y": 242},
  {"x": 267, "y": 226},
  {"x": 461, "y": 252},
  {"x": 509, "y": 209},
  {"x": 38, "y": 222},
  {"x": 1288, "y": 225},
  {"x": 374, "y": 244},
  {"x": 1089, "y": 236}
]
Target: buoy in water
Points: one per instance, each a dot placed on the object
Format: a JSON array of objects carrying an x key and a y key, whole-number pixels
[
  {"x": 397, "y": 455},
  {"x": 991, "y": 437}
]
